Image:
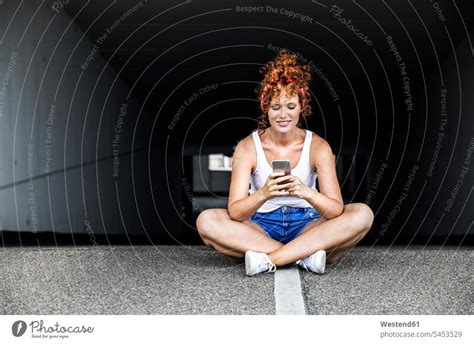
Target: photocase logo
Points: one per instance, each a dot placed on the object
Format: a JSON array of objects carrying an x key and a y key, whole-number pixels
[{"x": 19, "y": 328}]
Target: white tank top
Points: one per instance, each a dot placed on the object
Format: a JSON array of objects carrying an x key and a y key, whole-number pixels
[{"x": 263, "y": 170}]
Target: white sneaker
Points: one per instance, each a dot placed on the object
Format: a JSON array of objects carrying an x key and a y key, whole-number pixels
[
  {"x": 256, "y": 262},
  {"x": 315, "y": 262}
]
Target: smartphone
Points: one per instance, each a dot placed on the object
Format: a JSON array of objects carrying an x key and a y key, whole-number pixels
[{"x": 282, "y": 165}]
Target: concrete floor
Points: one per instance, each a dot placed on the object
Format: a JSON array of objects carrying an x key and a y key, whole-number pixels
[{"x": 196, "y": 280}]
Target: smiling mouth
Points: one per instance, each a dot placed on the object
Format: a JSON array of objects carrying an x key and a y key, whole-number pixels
[{"x": 283, "y": 122}]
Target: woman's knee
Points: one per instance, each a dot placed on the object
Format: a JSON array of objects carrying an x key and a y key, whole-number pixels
[
  {"x": 361, "y": 215},
  {"x": 366, "y": 214},
  {"x": 207, "y": 220}
]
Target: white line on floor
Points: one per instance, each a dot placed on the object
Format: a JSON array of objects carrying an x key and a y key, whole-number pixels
[{"x": 288, "y": 294}]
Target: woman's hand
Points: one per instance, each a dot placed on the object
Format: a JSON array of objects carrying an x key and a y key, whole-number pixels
[
  {"x": 296, "y": 188},
  {"x": 276, "y": 185}
]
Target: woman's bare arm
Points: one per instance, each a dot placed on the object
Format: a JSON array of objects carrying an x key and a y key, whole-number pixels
[
  {"x": 240, "y": 205},
  {"x": 328, "y": 201}
]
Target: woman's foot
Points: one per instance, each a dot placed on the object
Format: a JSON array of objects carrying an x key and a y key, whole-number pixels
[
  {"x": 315, "y": 263},
  {"x": 256, "y": 262}
]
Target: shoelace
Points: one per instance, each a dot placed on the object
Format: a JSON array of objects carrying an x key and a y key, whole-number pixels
[
  {"x": 302, "y": 264},
  {"x": 272, "y": 267}
]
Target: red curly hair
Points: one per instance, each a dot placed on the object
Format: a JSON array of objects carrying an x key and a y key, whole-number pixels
[{"x": 284, "y": 72}]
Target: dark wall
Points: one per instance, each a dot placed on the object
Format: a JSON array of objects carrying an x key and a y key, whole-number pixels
[{"x": 67, "y": 132}]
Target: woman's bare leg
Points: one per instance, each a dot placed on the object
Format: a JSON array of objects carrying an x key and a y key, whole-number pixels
[
  {"x": 340, "y": 251},
  {"x": 337, "y": 234},
  {"x": 233, "y": 238},
  {"x": 335, "y": 252},
  {"x": 331, "y": 254}
]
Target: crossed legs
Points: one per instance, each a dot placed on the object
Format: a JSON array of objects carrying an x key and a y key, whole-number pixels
[{"x": 335, "y": 235}]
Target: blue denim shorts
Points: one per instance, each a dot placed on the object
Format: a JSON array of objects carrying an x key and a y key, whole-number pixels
[{"x": 285, "y": 223}]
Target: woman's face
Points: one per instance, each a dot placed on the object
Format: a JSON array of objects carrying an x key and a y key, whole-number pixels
[{"x": 284, "y": 112}]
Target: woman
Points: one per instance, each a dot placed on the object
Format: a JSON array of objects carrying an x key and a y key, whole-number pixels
[{"x": 285, "y": 219}]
